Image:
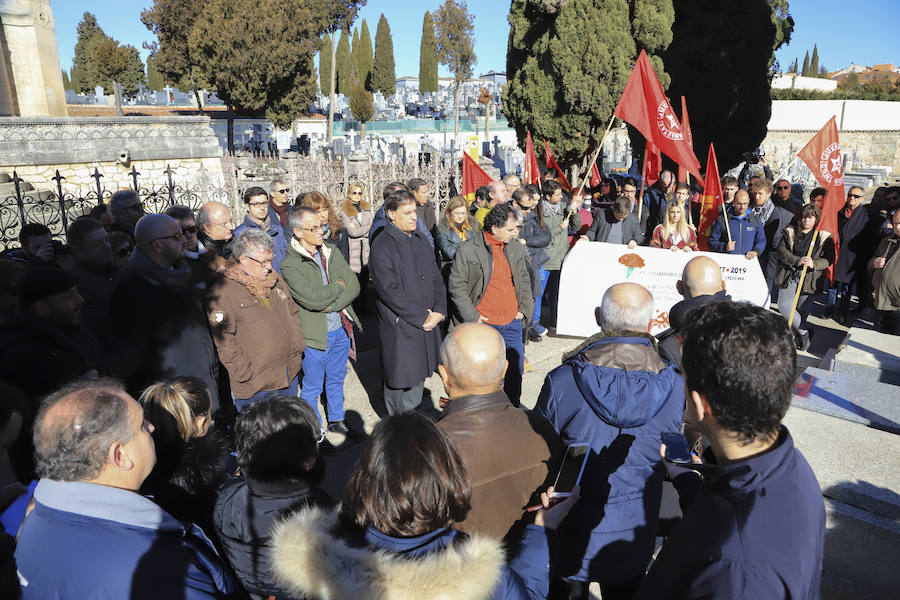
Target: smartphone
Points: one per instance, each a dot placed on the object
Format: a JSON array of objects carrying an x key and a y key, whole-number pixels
[
  {"x": 677, "y": 450},
  {"x": 571, "y": 470}
]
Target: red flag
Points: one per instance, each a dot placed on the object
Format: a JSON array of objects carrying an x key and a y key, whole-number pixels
[
  {"x": 473, "y": 177},
  {"x": 595, "y": 176},
  {"x": 644, "y": 105},
  {"x": 823, "y": 157},
  {"x": 552, "y": 164},
  {"x": 532, "y": 171},
  {"x": 711, "y": 201},
  {"x": 652, "y": 163},
  {"x": 686, "y": 124}
]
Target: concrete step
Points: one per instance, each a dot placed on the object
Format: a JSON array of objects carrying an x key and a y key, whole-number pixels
[
  {"x": 865, "y": 353},
  {"x": 858, "y": 399}
]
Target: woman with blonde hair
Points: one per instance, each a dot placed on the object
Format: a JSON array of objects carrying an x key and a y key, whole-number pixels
[
  {"x": 674, "y": 233},
  {"x": 332, "y": 229},
  {"x": 454, "y": 227},
  {"x": 191, "y": 460},
  {"x": 357, "y": 217}
]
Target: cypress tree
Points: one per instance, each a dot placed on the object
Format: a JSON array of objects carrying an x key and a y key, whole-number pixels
[
  {"x": 805, "y": 71},
  {"x": 365, "y": 56},
  {"x": 355, "y": 51},
  {"x": 384, "y": 78},
  {"x": 814, "y": 62},
  {"x": 342, "y": 61},
  {"x": 733, "y": 113},
  {"x": 154, "y": 79},
  {"x": 428, "y": 79},
  {"x": 325, "y": 64},
  {"x": 84, "y": 68},
  {"x": 67, "y": 85}
]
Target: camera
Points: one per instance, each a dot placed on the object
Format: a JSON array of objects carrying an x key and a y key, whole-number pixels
[
  {"x": 751, "y": 158},
  {"x": 123, "y": 157}
]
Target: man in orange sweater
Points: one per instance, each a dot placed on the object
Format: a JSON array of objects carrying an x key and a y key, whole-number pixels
[{"x": 489, "y": 283}]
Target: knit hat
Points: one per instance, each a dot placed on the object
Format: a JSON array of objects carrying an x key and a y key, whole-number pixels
[{"x": 42, "y": 282}]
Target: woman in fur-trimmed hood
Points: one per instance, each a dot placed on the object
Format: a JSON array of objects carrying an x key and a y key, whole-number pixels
[{"x": 392, "y": 537}]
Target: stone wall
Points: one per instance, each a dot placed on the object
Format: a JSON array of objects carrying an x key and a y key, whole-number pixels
[
  {"x": 36, "y": 147},
  {"x": 870, "y": 148}
]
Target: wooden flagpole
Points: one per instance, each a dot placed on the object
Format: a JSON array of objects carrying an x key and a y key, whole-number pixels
[
  {"x": 584, "y": 180},
  {"x": 802, "y": 277}
]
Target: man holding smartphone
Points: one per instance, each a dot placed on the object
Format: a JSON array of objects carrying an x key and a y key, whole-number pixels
[{"x": 754, "y": 522}]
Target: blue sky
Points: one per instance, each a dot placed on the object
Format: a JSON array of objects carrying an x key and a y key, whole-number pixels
[{"x": 869, "y": 38}]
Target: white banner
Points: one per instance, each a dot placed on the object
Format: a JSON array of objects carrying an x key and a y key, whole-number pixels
[{"x": 591, "y": 268}]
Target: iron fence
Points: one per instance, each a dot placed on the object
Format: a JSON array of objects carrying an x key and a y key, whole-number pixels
[{"x": 58, "y": 207}]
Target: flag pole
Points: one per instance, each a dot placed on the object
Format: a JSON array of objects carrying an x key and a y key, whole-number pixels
[
  {"x": 592, "y": 161},
  {"x": 643, "y": 181},
  {"x": 725, "y": 218},
  {"x": 785, "y": 170},
  {"x": 687, "y": 202},
  {"x": 802, "y": 277}
]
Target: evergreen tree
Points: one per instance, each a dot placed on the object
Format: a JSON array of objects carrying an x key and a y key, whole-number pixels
[
  {"x": 366, "y": 58},
  {"x": 428, "y": 77},
  {"x": 793, "y": 67},
  {"x": 823, "y": 72},
  {"x": 568, "y": 63},
  {"x": 342, "y": 63},
  {"x": 814, "y": 62},
  {"x": 805, "y": 71},
  {"x": 67, "y": 85},
  {"x": 725, "y": 79},
  {"x": 362, "y": 105},
  {"x": 342, "y": 16},
  {"x": 384, "y": 78},
  {"x": 355, "y": 52},
  {"x": 325, "y": 51},
  {"x": 84, "y": 69},
  {"x": 454, "y": 28},
  {"x": 133, "y": 76},
  {"x": 111, "y": 60},
  {"x": 154, "y": 79},
  {"x": 259, "y": 53},
  {"x": 173, "y": 56}
]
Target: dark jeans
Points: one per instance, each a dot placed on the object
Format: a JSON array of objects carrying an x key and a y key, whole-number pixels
[
  {"x": 550, "y": 300},
  {"x": 402, "y": 400},
  {"x": 888, "y": 321},
  {"x": 290, "y": 390},
  {"x": 515, "y": 354}
]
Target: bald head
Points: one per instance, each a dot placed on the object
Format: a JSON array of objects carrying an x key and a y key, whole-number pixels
[
  {"x": 473, "y": 357},
  {"x": 702, "y": 276},
  {"x": 625, "y": 307},
  {"x": 152, "y": 227}
]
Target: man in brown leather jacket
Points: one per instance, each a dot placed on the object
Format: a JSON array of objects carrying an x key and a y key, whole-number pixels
[{"x": 510, "y": 453}]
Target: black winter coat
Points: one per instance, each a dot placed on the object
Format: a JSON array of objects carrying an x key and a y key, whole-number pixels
[
  {"x": 857, "y": 242},
  {"x": 244, "y": 516},
  {"x": 408, "y": 284},
  {"x": 774, "y": 230}
]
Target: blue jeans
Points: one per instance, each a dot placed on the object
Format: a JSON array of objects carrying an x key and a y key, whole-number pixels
[
  {"x": 544, "y": 275},
  {"x": 290, "y": 390},
  {"x": 515, "y": 354},
  {"x": 326, "y": 369}
]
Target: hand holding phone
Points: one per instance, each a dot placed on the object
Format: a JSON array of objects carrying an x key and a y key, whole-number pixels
[
  {"x": 676, "y": 448},
  {"x": 569, "y": 476}
]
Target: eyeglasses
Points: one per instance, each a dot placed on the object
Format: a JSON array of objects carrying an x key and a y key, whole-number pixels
[
  {"x": 259, "y": 203},
  {"x": 857, "y": 196},
  {"x": 356, "y": 193},
  {"x": 225, "y": 224},
  {"x": 283, "y": 191},
  {"x": 261, "y": 263},
  {"x": 123, "y": 251},
  {"x": 782, "y": 187},
  {"x": 134, "y": 207},
  {"x": 190, "y": 229},
  {"x": 313, "y": 229},
  {"x": 524, "y": 208},
  {"x": 175, "y": 236}
]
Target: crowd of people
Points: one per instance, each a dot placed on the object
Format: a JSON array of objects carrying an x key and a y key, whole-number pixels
[{"x": 166, "y": 400}]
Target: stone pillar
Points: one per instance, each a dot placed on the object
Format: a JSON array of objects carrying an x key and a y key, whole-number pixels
[{"x": 30, "y": 77}]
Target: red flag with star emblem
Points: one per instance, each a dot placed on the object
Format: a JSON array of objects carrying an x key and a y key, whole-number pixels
[
  {"x": 686, "y": 124},
  {"x": 644, "y": 105},
  {"x": 823, "y": 157}
]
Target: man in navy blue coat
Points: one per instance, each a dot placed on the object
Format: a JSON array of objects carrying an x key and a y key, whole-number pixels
[
  {"x": 616, "y": 392},
  {"x": 91, "y": 534},
  {"x": 754, "y": 521}
]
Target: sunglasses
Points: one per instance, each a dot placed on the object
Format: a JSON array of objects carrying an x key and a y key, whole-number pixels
[
  {"x": 782, "y": 187},
  {"x": 190, "y": 229},
  {"x": 283, "y": 191},
  {"x": 175, "y": 236},
  {"x": 857, "y": 196}
]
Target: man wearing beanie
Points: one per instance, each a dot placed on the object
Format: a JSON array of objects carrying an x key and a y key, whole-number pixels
[
  {"x": 45, "y": 346},
  {"x": 158, "y": 324}
]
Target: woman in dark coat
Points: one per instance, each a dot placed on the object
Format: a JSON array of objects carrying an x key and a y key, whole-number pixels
[{"x": 412, "y": 301}]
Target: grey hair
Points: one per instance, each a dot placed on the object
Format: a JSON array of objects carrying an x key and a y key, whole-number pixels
[
  {"x": 459, "y": 366},
  {"x": 295, "y": 219},
  {"x": 75, "y": 444},
  {"x": 274, "y": 186},
  {"x": 252, "y": 240},
  {"x": 625, "y": 317},
  {"x": 203, "y": 218},
  {"x": 118, "y": 199}
]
